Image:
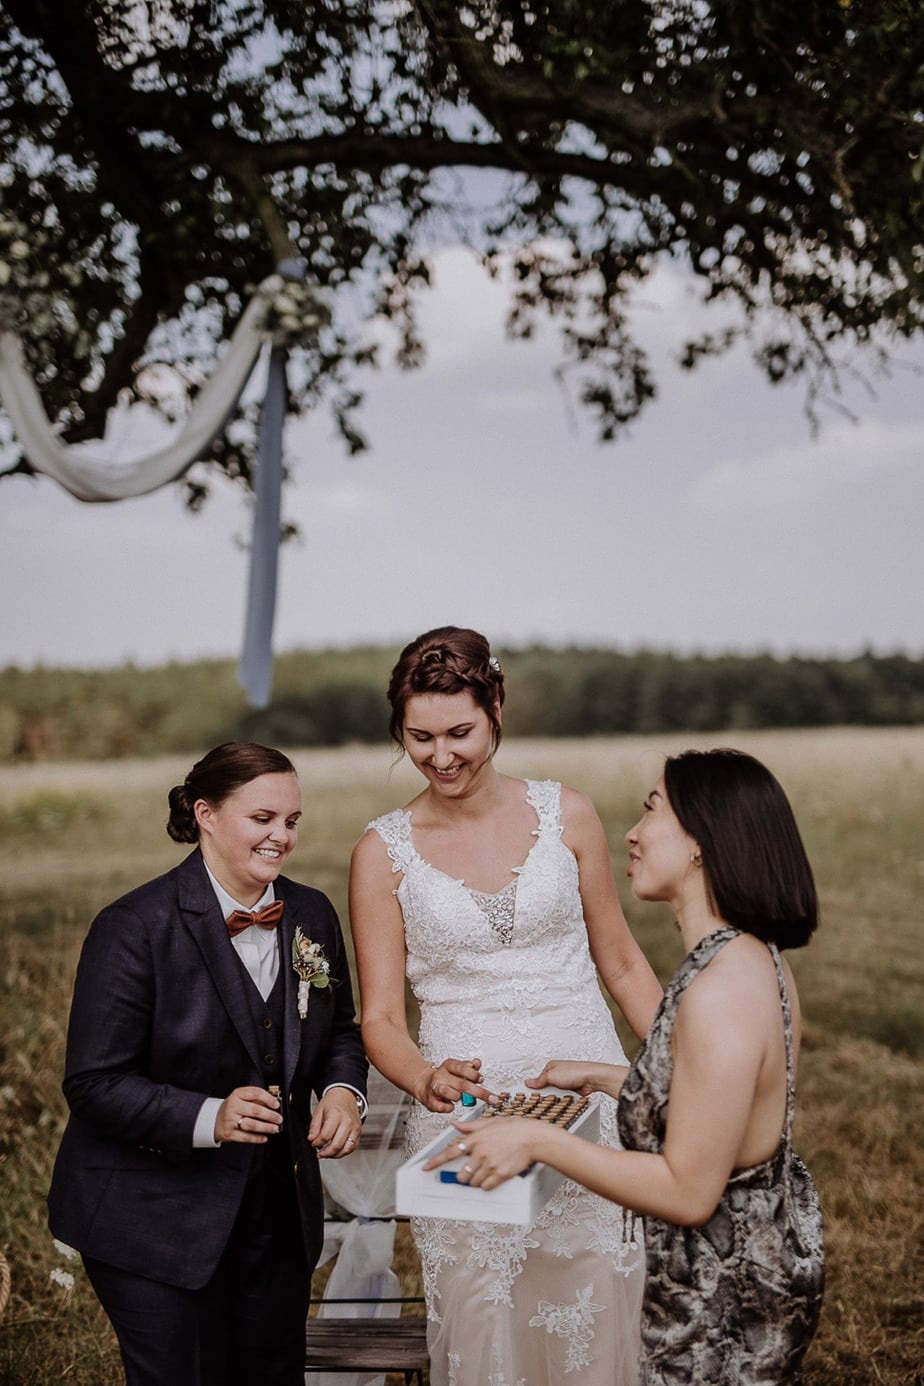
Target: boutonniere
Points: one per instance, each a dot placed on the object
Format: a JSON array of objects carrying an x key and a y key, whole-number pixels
[{"x": 312, "y": 968}]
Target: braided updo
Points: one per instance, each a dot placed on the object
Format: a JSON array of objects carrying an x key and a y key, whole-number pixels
[
  {"x": 449, "y": 659},
  {"x": 219, "y": 773}
]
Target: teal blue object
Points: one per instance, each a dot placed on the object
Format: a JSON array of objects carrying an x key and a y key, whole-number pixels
[{"x": 468, "y": 1100}]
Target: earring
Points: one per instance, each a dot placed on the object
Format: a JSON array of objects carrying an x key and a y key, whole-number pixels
[{"x": 695, "y": 860}]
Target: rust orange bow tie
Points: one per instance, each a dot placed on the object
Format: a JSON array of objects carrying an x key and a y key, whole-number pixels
[{"x": 267, "y": 918}]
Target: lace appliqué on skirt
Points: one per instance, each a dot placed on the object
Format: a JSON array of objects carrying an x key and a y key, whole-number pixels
[{"x": 573, "y": 1322}]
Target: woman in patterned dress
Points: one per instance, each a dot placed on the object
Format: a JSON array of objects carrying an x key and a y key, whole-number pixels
[
  {"x": 495, "y": 898},
  {"x": 735, "y": 1262}
]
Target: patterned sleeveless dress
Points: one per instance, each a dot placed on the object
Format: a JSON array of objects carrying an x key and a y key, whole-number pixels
[
  {"x": 508, "y": 978},
  {"x": 736, "y": 1301}
]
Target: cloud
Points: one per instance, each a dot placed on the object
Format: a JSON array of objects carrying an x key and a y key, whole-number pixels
[
  {"x": 846, "y": 457},
  {"x": 350, "y": 499}
]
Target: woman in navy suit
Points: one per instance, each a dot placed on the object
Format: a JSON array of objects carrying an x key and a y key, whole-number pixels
[{"x": 208, "y": 1006}]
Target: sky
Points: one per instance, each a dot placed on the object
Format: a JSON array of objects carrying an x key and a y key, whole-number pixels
[{"x": 718, "y": 523}]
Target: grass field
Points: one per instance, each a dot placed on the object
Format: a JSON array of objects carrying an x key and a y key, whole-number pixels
[{"x": 74, "y": 836}]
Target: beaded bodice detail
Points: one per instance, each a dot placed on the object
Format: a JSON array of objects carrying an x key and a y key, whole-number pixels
[{"x": 499, "y": 909}]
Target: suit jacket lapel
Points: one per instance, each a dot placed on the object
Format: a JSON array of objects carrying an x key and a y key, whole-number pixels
[
  {"x": 202, "y": 917},
  {"x": 292, "y": 1025}
]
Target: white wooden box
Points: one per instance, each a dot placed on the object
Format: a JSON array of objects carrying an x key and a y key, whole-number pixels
[{"x": 421, "y": 1193}]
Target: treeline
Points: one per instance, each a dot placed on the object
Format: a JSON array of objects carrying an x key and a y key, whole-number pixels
[{"x": 328, "y": 698}]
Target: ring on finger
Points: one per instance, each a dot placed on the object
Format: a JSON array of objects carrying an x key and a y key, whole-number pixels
[
  {"x": 467, "y": 1169},
  {"x": 460, "y": 1145},
  {"x": 240, "y": 1123}
]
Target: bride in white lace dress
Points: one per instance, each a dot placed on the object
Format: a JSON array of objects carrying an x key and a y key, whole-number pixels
[{"x": 495, "y": 898}]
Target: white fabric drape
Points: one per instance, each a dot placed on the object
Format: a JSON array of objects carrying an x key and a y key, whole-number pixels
[
  {"x": 92, "y": 478},
  {"x": 364, "y": 1185}
]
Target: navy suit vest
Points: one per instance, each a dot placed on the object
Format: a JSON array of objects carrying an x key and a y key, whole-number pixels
[{"x": 268, "y": 1017}]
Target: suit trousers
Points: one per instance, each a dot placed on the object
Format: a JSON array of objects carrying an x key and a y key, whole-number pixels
[{"x": 245, "y": 1326}]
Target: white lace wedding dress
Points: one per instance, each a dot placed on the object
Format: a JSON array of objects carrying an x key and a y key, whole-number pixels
[{"x": 508, "y": 978}]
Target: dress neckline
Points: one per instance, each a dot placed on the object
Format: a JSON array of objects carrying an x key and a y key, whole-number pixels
[{"x": 486, "y": 895}]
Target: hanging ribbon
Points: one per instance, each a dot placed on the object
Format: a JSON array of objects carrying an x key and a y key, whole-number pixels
[{"x": 255, "y": 672}]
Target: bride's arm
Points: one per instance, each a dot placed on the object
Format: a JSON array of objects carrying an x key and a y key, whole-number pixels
[
  {"x": 626, "y": 972},
  {"x": 377, "y": 926}
]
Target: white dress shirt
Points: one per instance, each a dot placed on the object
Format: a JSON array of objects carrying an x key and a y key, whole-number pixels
[{"x": 258, "y": 950}]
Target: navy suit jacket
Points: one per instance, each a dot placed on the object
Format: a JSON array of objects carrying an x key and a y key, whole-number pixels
[{"x": 160, "y": 1021}]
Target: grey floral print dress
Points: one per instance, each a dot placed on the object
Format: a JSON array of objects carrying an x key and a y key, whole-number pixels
[{"x": 736, "y": 1301}]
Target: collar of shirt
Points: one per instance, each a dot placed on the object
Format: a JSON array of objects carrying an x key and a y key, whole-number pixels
[
  {"x": 258, "y": 944},
  {"x": 229, "y": 904}
]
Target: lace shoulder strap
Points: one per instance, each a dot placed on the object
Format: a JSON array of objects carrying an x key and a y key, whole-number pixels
[
  {"x": 545, "y": 797},
  {"x": 787, "y": 1030},
  {"x": 395, "y": 831}
]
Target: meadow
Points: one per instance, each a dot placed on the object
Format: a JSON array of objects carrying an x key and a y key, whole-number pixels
[{"x": 75, "y": 835}]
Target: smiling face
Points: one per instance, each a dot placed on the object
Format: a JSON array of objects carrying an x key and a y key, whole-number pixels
[
  {"x": 662, "y": 854},
  {"x": 246, "y": 838},
  {"x": 449, "y": 738}
]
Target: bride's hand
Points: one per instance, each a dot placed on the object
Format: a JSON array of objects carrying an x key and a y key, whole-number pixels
[
  {"x": 440, "y": 1088},
  {"x": 581, "y": 1077}
]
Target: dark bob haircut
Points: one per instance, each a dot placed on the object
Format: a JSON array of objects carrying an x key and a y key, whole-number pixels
[
  {"x": 219, "y": 773},
  {"x": 758, "y": 877},
  {"x": 449, "y": 659}
]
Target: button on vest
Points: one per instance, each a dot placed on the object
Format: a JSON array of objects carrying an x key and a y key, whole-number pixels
[{"x": 269, "y": 1016}]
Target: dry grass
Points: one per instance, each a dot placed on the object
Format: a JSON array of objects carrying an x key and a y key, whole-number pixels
[{"x": 74, "y": 836}]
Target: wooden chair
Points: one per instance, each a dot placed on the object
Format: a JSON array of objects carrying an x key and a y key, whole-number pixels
[
  {"x": 367, "y": 1344},
  {"x": 355, "y": 1344}
]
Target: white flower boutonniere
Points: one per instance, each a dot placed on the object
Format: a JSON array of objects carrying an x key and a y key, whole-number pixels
[{"x": 312, "y": 968}]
